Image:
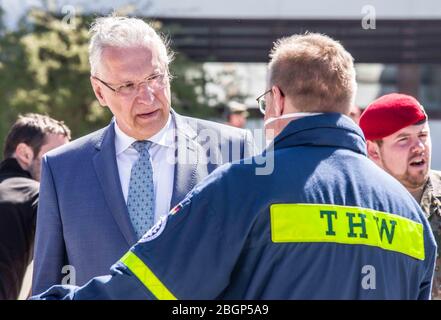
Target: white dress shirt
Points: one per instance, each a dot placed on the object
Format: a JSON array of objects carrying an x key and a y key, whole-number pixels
[{"x": 162, "y": 148}]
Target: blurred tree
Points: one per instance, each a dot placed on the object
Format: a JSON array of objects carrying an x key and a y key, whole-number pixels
[
  {"x": 44, "y": 68},
  {"x": 188, "y": 88}
]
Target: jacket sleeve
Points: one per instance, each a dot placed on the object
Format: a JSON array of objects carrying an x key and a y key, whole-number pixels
[
  {"x": 120, "y": 284},
  {"x": 49, "y": 253}
]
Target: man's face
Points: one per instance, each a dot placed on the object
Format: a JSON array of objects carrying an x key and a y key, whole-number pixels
[
  {"x": 52, "y": 141},
  {"x": 406, "y": 155},
  {"x": 144, "y": 113},
  {"x": 238, "y": 120}
]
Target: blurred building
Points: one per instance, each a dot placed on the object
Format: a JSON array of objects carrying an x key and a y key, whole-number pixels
[{"x": 396, "y": 43}]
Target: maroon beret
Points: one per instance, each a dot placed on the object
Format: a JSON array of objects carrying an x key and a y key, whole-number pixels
[{"x": 390, "y": 113}]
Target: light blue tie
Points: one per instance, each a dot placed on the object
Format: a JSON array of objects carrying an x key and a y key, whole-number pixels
[{"x": 141, "y": 197}]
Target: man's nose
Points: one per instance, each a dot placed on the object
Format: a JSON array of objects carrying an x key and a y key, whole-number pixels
[
  {"x": 418, "y": 146},
  {"x": 145, "y": 93}
]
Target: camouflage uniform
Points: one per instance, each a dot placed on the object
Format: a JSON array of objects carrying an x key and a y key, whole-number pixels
[{"x": 431, "y": 204}]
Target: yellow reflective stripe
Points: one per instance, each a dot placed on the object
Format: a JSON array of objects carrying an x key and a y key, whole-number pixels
[
  {"x": 348, "y": 225},
  {"x": 146, "y": 276}
]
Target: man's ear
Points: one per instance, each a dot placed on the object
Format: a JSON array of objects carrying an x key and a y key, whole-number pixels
[
  {"x": 97, "y": 89},
  {"x": 278, "y": 100},
  {"x": 373, "y": 150},
  {"x": 24, "y": 155}
]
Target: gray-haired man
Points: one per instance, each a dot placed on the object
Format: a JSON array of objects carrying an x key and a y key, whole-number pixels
[{"x": 100, "y": 193}]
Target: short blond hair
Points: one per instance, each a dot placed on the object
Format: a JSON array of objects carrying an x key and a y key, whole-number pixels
[{"x": 315, "y": 72}]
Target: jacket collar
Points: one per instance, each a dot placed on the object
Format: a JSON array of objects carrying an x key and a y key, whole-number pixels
[
  {"x": 435, "y": 182},
  {"x": 327, "y": 129},
  {"x": 11, "y": 166},
  {"x": 183, "y": 128}
]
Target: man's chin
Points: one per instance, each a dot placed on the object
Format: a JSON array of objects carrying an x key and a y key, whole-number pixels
[{"x": 416, "y": 181}]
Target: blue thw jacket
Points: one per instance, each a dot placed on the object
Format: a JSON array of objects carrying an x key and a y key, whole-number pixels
[{"x": 326, "y": 223}]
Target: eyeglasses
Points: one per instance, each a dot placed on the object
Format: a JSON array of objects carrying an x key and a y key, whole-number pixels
[
  {"x": 261, "y": 102},
  {"x": 154, "y": 82}
]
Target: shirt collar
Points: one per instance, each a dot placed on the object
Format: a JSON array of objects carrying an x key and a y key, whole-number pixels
[{"x": 164, "y": 137}]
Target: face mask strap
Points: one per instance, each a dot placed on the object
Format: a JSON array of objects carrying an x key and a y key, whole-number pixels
[{"x": 295, "y": 115}]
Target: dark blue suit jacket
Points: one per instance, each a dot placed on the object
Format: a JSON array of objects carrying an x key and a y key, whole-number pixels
[{"x": 82, "y": 218}]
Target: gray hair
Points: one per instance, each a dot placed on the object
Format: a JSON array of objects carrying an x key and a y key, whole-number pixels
[{"x": 124, "y": 32}]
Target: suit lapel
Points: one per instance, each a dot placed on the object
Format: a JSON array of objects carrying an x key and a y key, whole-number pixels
[
  {"x": 107, "y": 171},
  {"x": 189, "y": 168}
]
